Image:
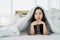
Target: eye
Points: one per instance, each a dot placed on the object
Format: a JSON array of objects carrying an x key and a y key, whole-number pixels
[
  {"x": 40, "y": 13},
  {"x": 35, "y": 13}
]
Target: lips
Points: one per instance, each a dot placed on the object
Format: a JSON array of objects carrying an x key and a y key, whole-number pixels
[{"x": 38, "y": 18}]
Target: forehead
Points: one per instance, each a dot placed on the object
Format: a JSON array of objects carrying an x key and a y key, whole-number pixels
[{"x": 38, "y": 10}]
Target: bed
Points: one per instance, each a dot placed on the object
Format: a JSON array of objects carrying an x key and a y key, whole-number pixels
[{"x": 24, "y": 36}]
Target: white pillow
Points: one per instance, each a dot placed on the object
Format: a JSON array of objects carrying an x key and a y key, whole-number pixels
[
  {"x": 11, "y": 30},
  {"x": 53, "y": 16}
]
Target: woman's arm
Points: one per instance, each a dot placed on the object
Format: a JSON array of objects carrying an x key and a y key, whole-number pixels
[
  {"x": 45, "y": 31},
  {"x": 31, "y": 32}
]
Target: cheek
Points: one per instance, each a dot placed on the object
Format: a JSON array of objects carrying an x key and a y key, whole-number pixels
[
  {"x": 41, "y": 16},
  {"x": 36, "y": 17}
]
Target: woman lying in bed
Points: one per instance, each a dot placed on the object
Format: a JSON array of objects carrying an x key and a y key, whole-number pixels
[{"x": 39, "y": 23}]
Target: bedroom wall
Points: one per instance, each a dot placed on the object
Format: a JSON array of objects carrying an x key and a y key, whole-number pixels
[
  {"x": 23, "y": 5},
  {"x": 5, "y": 8},
  {"x": 5, "y": 11},
  {"x": 47, "y": 4},
  {"x": 8, "y": 7},
  {"x": 42, "y": 3},
  {"x": 54, "y": 4},
  {"x": 29, "y": 4}
]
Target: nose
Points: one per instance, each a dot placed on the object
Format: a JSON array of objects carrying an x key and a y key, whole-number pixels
[{"x": 38, "y": 15}]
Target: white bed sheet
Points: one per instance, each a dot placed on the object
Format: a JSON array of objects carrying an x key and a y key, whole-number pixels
[{"x": 24, "y": 36}]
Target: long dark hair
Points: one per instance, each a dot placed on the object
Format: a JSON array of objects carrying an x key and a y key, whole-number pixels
[
  {"x": 44, "y": 19},
  {"x": 33, "y": 18}
]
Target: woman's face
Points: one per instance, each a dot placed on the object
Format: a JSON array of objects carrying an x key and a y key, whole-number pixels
[{"x": 38, "y": 14}]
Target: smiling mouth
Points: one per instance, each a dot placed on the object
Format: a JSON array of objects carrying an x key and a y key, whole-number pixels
[{"x": 38, "y": 18}]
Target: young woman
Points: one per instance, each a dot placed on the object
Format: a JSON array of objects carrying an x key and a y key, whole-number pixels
[{"x": 39, "y": 23}]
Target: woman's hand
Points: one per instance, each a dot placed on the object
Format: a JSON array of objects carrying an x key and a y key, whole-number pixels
[
  {"x": 31, "y": 32},
  {"x": 45, "y": 31},
  {"x": 32, "y": 26}
]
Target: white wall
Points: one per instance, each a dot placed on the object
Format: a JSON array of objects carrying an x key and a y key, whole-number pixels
[
  {"x": 54, "y": 4},
  {"x": 47, "y": 4},
  {"x": 29, "y": 4},
  {"x": 8, "y": 7},
  {"x": 42, "y": 3},
  {"x": 23, "y": 5},
  {"x": 5, "y": 11},
  {"x": 5, "y": 7}
]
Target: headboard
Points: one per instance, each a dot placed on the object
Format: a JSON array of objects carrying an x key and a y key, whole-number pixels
[{"x": 21, "y": 11}]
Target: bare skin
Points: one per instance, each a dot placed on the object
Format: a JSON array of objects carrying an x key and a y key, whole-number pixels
[{"x": 45, "y": 31}]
